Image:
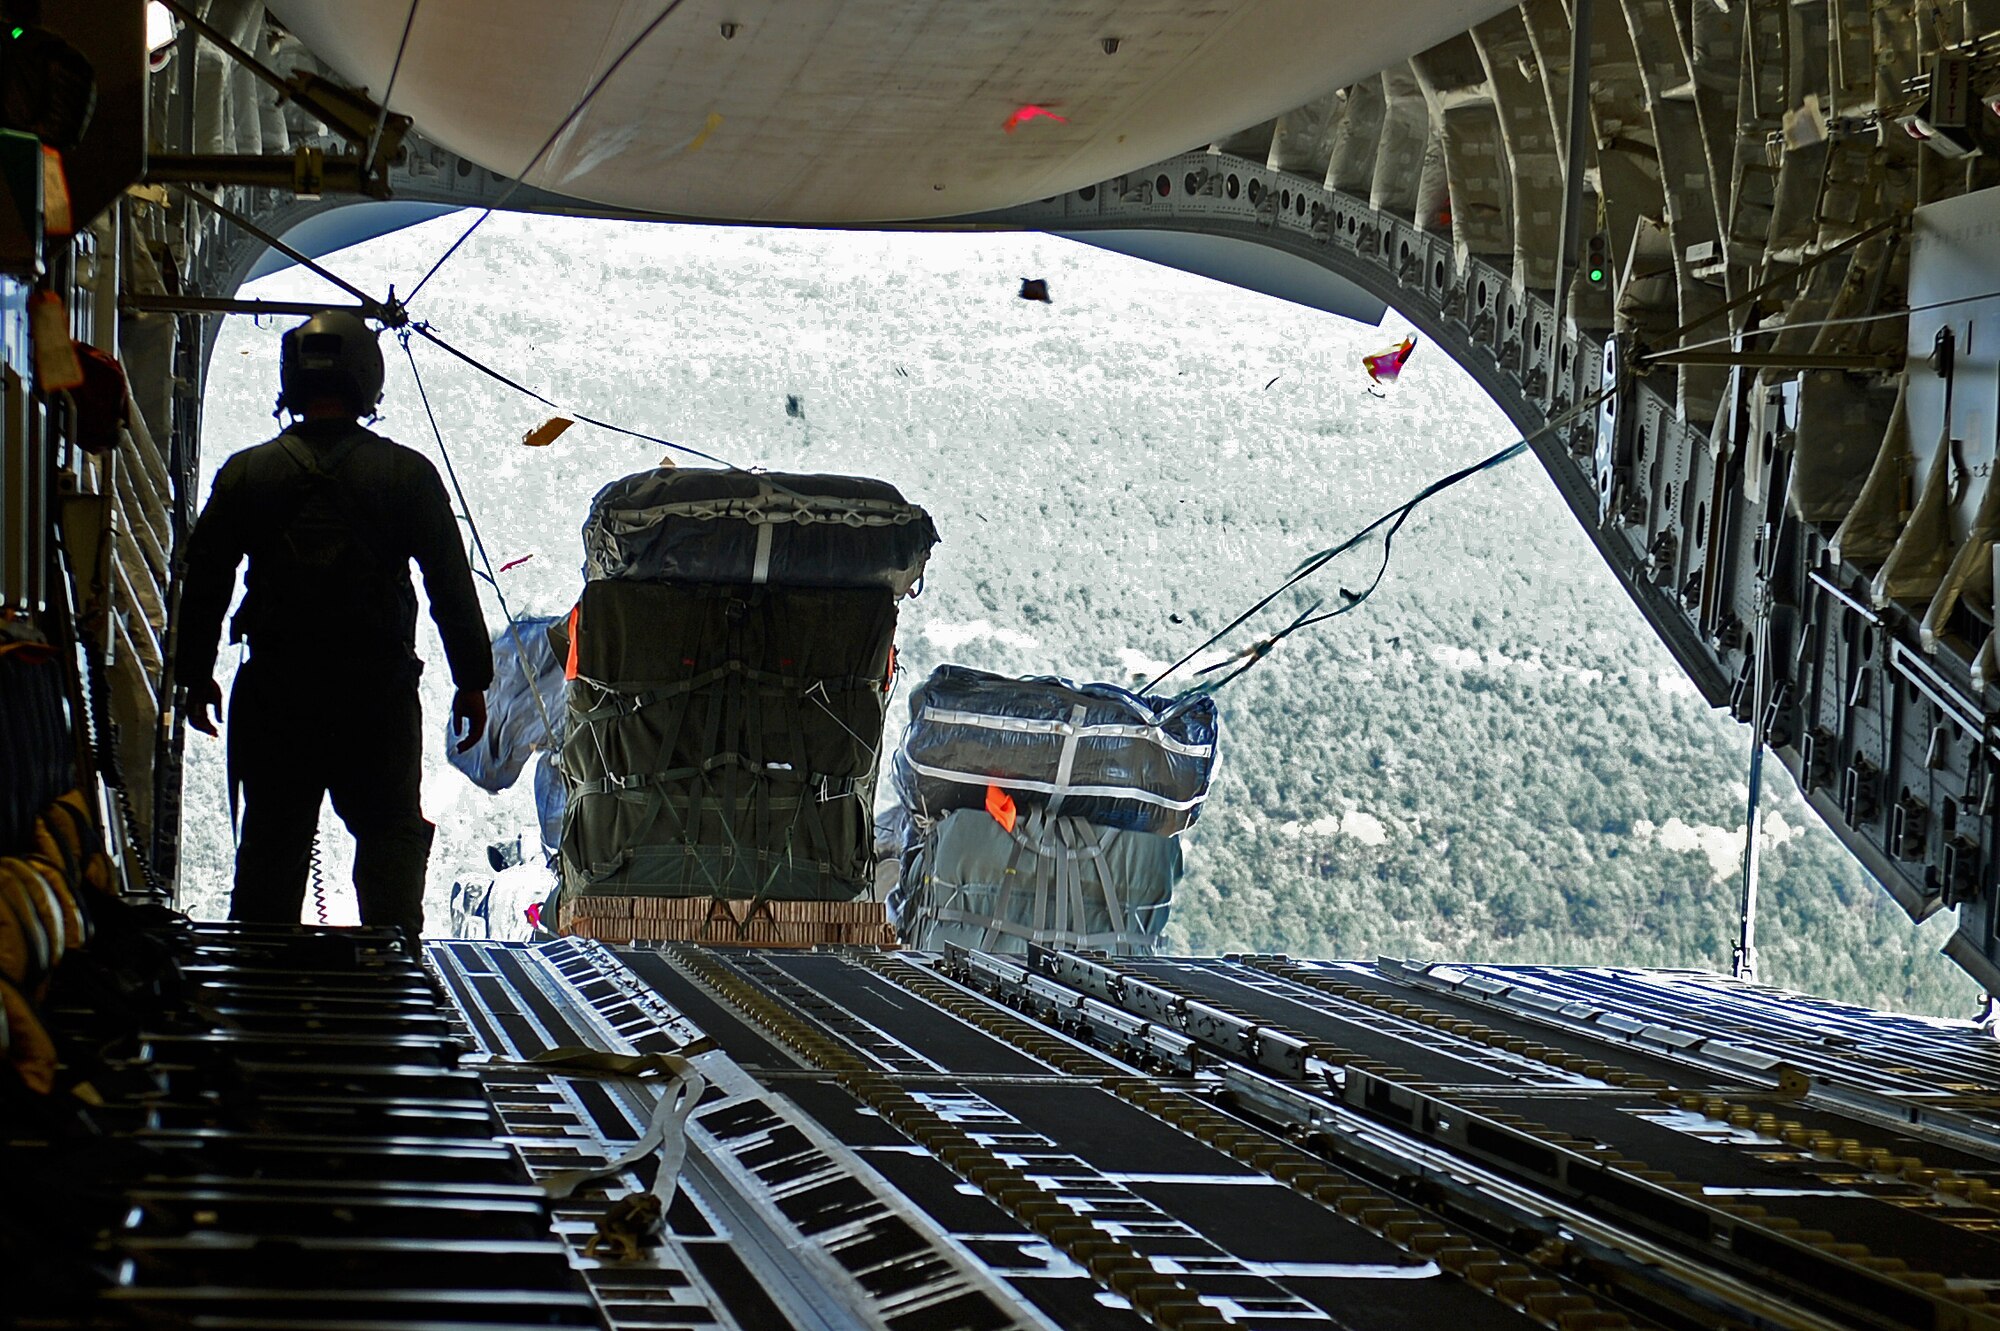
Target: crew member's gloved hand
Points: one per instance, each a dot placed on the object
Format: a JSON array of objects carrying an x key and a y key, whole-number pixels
[
  {"x": 468, "y": 710},
  {"x": 204, "y": 699}
]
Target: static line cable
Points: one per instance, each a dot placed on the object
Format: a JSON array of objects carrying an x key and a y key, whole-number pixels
[
  {"x": 1313, "y": 563},
  {"x": 548, "y": 143},
  {"x": 1792, "y": 275},
  {"x": 478, "y": 543},
  {"x": 375, "y": 136},
  {"x": 389, "y": 313},
  {"x": 1771, "y": 330},
  {"x": 1350, "y": 600},
  {"x": 429, "y": 335}
]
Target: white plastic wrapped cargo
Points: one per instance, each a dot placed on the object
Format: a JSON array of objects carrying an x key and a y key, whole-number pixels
[{"x": 524, "y": 707}]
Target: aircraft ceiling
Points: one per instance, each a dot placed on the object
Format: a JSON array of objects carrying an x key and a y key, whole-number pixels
[{"x": 853, "y": 111}]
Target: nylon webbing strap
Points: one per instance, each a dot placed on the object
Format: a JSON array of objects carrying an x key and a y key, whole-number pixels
[
  {"x": 994, "y": 924},
  {"x": 633, "y": 783},
  {"x": 625, "y": 704},
  {"x": 665, "y": 1133},
  {"x": 1016, "y": 783},
  {"x": 1066, "y": 762},
  {"x": 1150, "y": 732},
  {"x": 1114, "y": 906},
  {"x": 760, "y": 571},
  {"x": 774, "y": 504},
  {"x": 1069, "y": 855}
]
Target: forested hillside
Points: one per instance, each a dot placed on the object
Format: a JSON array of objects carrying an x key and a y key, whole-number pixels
[{"x": 1492, "y": 759}]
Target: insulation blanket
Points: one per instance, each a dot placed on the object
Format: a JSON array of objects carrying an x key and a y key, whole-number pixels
[
  {"x": 1050, "y": 881},
  {"x": 707, "y": 526},
  {"x": 1093, "y": 751},
  {"x": 722, "y": 740}
]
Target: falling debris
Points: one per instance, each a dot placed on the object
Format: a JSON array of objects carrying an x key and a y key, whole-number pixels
[
  {"x": 1023, "y": 114},
  {"x": 793, "y": 407},
  {"x": 1175, "y": 619},
  {"x": 1274, "y": 379},
  {"x": 902, "y": 372},
  {"x": 547, "y": 432},
  {"x": 1035, "y": 288},
  {"x": 516, "y": 563},
  {"x": 1384, "y": 366}
]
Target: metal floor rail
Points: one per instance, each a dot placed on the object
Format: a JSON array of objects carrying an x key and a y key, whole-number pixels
[
  {"x": 281, "y": 1137},
  {"x": 315, "y": 1129}
]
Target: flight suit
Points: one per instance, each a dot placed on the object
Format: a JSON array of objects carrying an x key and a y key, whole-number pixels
[{"x": 329, "y": 515}]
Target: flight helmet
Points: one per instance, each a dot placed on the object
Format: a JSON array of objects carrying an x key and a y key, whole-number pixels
[{"x": 333, "y": 354}]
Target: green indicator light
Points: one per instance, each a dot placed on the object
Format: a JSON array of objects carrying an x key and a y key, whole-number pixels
[
  {"x": 1597, "y": 274},
  {"x": 17, "y": 32}
]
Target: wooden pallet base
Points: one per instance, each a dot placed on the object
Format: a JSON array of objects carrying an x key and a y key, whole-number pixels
[{"x": 737, "y": 923}]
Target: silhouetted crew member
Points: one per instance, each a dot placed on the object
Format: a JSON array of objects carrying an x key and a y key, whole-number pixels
[{"x": 330, "y": 515}]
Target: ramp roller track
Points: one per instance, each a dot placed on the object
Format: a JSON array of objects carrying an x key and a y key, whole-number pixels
[
  {"x": 275, "y": 1131},
  {"x": 1556, "y": 1175},
  {"x": 1510, "y": 1129}
]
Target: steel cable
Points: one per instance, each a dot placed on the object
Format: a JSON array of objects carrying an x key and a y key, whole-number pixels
[
  {"x": 491, "y": 577},
  {"x": 1312, "y": 564},
  {"x": 1772, "y": 330},
  {"x": 375, "y": 136}
]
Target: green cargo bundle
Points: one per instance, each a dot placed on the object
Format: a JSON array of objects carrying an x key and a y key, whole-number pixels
[
  {"x": 1045, "y": 881},
  {"x": 722, "y": 740}
]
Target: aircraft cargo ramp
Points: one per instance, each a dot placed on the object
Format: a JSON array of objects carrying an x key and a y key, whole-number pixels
[{"x": 331, "y": 1134}]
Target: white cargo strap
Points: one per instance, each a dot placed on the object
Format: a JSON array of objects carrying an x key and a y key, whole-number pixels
[
  {"x": 666, "y": 1133},
  {"x": 1113, "y": 906},
  {"x": 770, "y": 504},
  {"x": 1132, "y": 941},
  {"x": 1027, "y": 725},
  {"x": 1132, "y": 793},
  {"x": 1065, "y": 852},
  {"x": 762, "y": 519},
  {"x": 1066, "y": 761}
]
